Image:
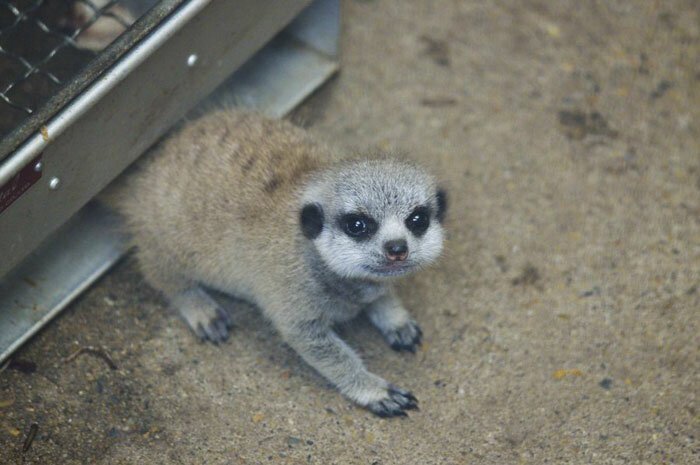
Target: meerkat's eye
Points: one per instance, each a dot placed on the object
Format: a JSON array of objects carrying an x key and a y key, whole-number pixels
[
  {"x": 418, "y": 221},
  {"x": 358, "y": 226}
]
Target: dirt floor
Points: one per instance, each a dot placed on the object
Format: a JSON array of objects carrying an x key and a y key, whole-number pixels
[{"x": 561, "y": 324}]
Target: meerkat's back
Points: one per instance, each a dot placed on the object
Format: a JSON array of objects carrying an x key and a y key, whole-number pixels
[
  {"x": 227, "y": 178},
  {"x": 224, "y": 163}
]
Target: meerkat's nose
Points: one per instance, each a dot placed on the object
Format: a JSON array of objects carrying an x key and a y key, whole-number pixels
[{"x": 396, "y": 250}]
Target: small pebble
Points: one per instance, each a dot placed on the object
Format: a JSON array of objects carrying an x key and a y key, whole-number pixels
[
  {"x": 606, "y": 383},
  {"x": 563, "y": 373}
]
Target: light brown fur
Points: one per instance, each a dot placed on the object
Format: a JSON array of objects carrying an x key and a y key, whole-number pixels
[
  {"x": 203, "y": 185},
  {"x": 217, "y": 205}
]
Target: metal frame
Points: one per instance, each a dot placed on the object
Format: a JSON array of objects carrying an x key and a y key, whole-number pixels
[{"x": 124, "y": 111}]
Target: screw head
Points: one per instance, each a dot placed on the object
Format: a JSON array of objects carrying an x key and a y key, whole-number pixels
[
  {"x": 38, "y": 166},
  {"x": 192, "y": 60},
  {"x": 54, "y": 183}
]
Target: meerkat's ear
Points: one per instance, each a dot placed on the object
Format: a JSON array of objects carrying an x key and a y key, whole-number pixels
[
  {"x": 311, "y": 220},
  {"x": 441, "y": 204}
]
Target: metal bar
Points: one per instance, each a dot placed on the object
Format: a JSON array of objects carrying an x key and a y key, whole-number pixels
[
  {"x": 280, "y": 77},
  {"x": 59, "y": 271}
]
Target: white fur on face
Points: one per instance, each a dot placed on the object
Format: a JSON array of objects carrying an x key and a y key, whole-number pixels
[
  {"x": 365, "y": 259},
  {"x": 388, "y": 191}
]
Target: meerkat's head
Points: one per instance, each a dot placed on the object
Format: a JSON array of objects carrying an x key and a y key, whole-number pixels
[{"x": 374, "y": 218}]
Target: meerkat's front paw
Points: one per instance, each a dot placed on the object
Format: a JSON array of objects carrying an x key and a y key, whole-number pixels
[
  {"x": 204, "y": 315},
  {"x": 210, "y": 326},
  {"x": 380, "y": 397},
  {"x": 395, "y": 324},
  {"x": 395, "y": 404},
  {"x": 407, "y": 337}
]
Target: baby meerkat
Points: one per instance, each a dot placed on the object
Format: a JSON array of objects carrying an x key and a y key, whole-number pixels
[{"x": 257, "y": 209}]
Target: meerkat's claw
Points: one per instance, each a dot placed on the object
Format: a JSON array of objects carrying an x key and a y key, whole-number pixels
[
  {"x": 215, "y": 331},
  {"x": 218, "y": 329},
  {"x": 395, "y": 404},
  {"x": 408, "y": 337},
  {"x": 225, "y": 317},
  {"x": 407, "y": 400}
]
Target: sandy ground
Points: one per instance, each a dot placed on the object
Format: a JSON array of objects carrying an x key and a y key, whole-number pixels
[{"x": 562, "y": 322}]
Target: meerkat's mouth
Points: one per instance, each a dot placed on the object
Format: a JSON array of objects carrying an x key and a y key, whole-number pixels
[{"x": 391, "y": 269}]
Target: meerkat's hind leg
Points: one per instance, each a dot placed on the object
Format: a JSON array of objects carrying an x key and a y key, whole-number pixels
[
  {"x": 398, "y": 328},
  {"x": 202, "y": 314}
]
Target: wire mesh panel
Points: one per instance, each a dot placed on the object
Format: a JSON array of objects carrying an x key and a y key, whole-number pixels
[{"x": 45, "y": 43}]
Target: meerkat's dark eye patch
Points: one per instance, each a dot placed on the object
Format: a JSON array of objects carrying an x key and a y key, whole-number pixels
[
  {"x": 441, "y": 204},
  {"x": 358, "y": 226},
  {"x": 418, "y": 221},
  {"x": 311, "y": 220}
]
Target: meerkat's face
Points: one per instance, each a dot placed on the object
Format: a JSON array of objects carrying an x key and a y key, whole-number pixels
[{"x": 375, "y": 219}]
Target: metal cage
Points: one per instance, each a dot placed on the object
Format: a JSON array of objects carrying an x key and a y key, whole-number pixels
[
  {"x": 87, "y": 85},
  {"x": 50, "y": 50}
]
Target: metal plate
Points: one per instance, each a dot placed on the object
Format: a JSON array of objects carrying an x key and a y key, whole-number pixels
[
  {"x": 279, "y": 78},
  {"x": 56, "y": 273}
]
